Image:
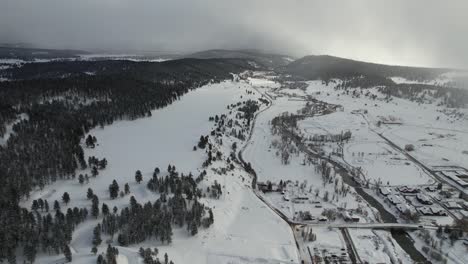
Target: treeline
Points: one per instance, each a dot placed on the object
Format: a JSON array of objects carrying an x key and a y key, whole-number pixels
[
  {"x": 39, "y": 230},
  {"x": 46, "y": 146},
  {"x": 172, "y": 70},
  {"x": 177, "y": 205},
  {"x": 365, "y": 81},
  {"x": 326, "y": 67},
  {"x": 451, "y": 97}
]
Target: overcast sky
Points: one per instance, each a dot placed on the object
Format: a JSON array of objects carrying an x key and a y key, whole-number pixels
[{"x": 407, "y": 32}]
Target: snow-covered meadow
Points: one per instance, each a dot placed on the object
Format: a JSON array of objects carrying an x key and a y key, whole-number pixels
[{"x": 244, "y": 229}]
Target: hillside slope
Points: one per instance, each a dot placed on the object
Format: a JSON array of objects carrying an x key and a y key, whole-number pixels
[
  {"x": 269, "y": 60},
  {"x": 327, "y": 67}
]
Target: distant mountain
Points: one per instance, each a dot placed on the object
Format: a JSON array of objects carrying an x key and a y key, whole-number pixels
[
  {"x": 30, "y": 54},
  {"x": 327, "y": 67},
  {"x": 268, "y": 60}
]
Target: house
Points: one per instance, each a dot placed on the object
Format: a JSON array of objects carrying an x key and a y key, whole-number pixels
[
  {"x": 306, "y": 216},
  {"x": 463, "y": 214},
  {"x": 350, "y": 218},
  {"x": 425, "y": 210},
  {"x": 403, "y": 207},
  {"x": 262, "y": 186},
  {"x": 395, "y": 198},
  {"x": 300, "y": 199},
  {"x": 385, "y": 191},
  {"x": 405, "y": 189},
  {"x": 465, "y": 205},
  {"x": 424, "y": 199},
  {"x": 432, "y": 210},
  {"x": 460, "y": 178},
  {"x": 438, "y": 211},
  {"x": 453, "y": 205},
  {"x": 465, "y": 242},
  {"x": 323, "y": 219}
]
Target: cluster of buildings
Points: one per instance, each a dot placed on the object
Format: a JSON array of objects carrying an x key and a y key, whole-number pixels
[
  {"x": 455, "y": 176},
  {"x": 411, "y": 199},
  {"x": 425, "y": 201},
  {"x": 459, "y": 176},
  {"x": 325, "y": 255}
]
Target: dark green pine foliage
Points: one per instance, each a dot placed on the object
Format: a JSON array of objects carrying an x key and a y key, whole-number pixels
[
  {"x": 114, "y": 190},
  {"x": 95, "y": 206},
  {"x": 138, "y": 176},
  {"x": 67, "y": 253},
  {"x": 177, "y": 205},
  {"x": 66, "y": 198},
  {"x": 90, "y": 194},
  {"x": 48, "y": 145},
  {"x": 97, "y": 235}
]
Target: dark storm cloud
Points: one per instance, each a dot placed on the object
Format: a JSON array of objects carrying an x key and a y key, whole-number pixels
[{"x": 416, "y": 32}]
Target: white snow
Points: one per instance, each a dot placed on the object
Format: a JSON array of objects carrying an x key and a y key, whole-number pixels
[{"x": 244, "y": 229}]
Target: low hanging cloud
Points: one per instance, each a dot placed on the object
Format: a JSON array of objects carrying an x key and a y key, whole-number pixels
[{"x": 416, "y": 32}]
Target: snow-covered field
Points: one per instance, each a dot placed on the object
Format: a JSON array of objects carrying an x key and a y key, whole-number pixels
[
  {"x": 377, "y": 247},
  {"x": 434, "y": 146},
  {"x": 437, "y": 141},
  {"x": 263, "y": 156},
  {"x": 244, "y": 231}
]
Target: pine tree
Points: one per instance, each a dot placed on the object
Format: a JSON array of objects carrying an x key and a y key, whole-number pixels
[
  {"x": 103, "y": 163},
  {"x": 35, "y": 205},
  {"x": 67, "y": 253},
  {"x": 66, "y": 198},
  {"x": 95, "y": 206},
  {"x": 46, "y": 206},
  {"x": 111, "y": 254},
  {"x": 94, "y": 250},
  {"x": 105, "y": 209},
  {"x": 89, "y": 142},
  {"x": 56, "y": 205},
  {"x": 194, "y": 228},
  {"x": 127, "y": 188},
  {"x": 114, "y": 190},
  {"x": 100, "y": 259},
  {"x": 210, "y": 217},
  {"x": 30, "y": 251},
  {"x": 81, "y": 179},
  {"x": 40, "y": 202},
  {"x": 89, "y": 194},
  {"x": 97, "y": 235},
  {"x": 138, "y": 176},
  {"x": 94, "y": 171}
]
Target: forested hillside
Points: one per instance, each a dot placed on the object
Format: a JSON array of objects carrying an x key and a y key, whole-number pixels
[
  {"x": 45, "y": 113},
  {"x": 328, "y": 67}
]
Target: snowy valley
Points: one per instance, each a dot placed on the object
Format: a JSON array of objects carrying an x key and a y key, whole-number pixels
[{"x": 251, "y": 167}]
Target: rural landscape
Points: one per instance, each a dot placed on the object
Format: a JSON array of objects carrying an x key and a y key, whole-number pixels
[
  {"x": 247, "y": 132},
  {"x": 114, "y": 160}
]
